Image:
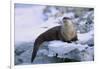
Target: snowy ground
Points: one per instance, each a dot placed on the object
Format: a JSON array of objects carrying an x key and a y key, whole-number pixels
[{"x": 31, "y": 22}]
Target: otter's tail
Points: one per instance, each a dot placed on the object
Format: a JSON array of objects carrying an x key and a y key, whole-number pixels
[
  {"x": 36, "y": 47},
  {"x": 34, "y": 54}
]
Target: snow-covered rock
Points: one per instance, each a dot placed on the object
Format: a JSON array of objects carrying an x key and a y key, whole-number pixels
[
  {"x": 69, "y": 50},
  {"x": 86, "y": 38}
]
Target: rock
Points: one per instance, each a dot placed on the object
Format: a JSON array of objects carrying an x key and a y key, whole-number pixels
[
  {"x": 70, "y": 51},
  {"x": 18, "y": 60}
]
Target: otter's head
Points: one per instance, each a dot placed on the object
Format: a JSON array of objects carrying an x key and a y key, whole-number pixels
[{"x": 66, "y": 21}]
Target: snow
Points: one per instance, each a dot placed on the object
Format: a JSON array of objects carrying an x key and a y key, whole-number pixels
[
  {"x": 83, "y": 38},
  {"x": 70, "y": 15},
  {"x": 26, "y": 22},
  {"x": 63, "y": 49},
  {"x": 30, "y": 23}
]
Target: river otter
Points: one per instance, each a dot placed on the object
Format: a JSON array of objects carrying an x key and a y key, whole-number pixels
[{"x": 66, "y": 32}]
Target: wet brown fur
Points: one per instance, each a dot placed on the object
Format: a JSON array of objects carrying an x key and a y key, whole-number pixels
[{"x": 51, "y": 34}]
